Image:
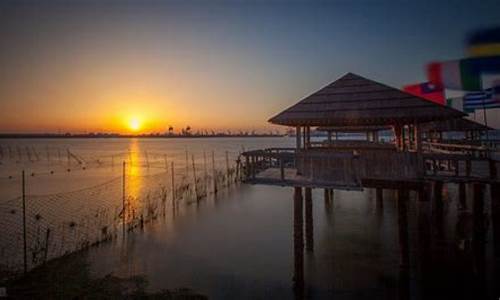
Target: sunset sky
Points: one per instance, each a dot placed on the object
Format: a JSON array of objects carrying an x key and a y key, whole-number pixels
[{"x": 145, "y": 65}]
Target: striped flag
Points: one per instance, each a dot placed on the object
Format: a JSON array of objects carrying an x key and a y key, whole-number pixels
[
  {"x": 463, "y": 74},
  {"x": 489, "y": 98}
]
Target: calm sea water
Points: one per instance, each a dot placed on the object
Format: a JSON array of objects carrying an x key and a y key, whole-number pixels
[{"x": 239, "y": 243}]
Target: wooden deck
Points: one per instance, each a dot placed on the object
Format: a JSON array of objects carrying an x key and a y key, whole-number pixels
[{"x": 273, "y": 176}]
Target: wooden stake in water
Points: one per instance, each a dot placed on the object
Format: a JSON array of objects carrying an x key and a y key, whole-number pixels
[
  {"x": 205, "y": 175},
  {"x": 214, "y": 179},
  {"x": 195, "y": 179},
  {"x": 24, "y": 225},
  {"x": 227, "y": 169},
  {"x": 172, "y": 175},
  {"x": 187, "y": 163},
  {"x": 123, "y": 196}
]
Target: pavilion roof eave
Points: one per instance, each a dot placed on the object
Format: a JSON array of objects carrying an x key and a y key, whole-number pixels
[{"x": 355, "y": 100}]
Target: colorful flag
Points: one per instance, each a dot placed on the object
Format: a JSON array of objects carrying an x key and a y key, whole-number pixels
[
  {"x": 427, "y": 90},
  {"x": 489, "y": 98},
  {"x": 485, "y": 42},
  {"x": 464, "y": 74}
]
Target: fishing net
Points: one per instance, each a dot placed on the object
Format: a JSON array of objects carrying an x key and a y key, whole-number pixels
[{"x": 152, "y": 185}]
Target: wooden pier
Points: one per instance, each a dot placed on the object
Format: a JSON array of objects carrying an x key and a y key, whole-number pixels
[{"x": 418, "y": 157}]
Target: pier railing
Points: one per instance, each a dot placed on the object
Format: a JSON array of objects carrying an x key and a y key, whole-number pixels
[{"x": 321, "y": 167}]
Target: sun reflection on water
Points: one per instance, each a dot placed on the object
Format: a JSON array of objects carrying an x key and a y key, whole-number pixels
[{"x": 134, "y": 173}]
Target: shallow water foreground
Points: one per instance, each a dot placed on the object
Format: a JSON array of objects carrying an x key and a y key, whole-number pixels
[{"x": 239, "y": 245}]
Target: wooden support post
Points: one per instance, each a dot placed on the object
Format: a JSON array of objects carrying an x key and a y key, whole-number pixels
[
  {"x": 424, "y": 192},
  {"x": 495, "y": 217},
  {"x": 403, "y": 195},
  {"x": 379, "y": 198},
  {"x": 309, "y": 220},
  {"x": 398, "y": 137},
  {"x": 298, "y": 241},
  {"x": 418, "y": 138},
  {"x": 468, "y": 168},
  {"x": 298, "y": 143},
  {"x": 438, "y": 198},
  {"x": 478, "y": 236},
  {"x": 308, "y": 136},
  {"x": 493, "y": 169},
  {"x": 462, "y": 196},
  {"x": 247, "y": 167},
  {"x": 282, "y": 169},
  {"x": 424, "y": 226}
]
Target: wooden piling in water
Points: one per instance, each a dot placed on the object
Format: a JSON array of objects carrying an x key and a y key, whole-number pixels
[
  {"x": 438, "y": 197},
  {"x": 227, "y": 169},
  {"x": 309, "y": 220},
  {"x": 25, "y": 247},
  {"x": 195, "y": 180},
  {"x": 462, "y": 196},
  {"x": 205, "y": 172},
  {"x": 403, "y": 195},
  {"x": 379, "y": 198},
  {"x": 172, "y": 177},
  {"x": 214, "y": 178},
  {"x": 124, "y": 211},
  {"x": 298, "y": 241},
  {"x": 495, "y": 217},
  {"x": 478, "y": 236}
]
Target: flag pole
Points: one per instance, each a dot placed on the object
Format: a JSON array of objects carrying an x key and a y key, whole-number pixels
[{"x": 484, "y": 116}]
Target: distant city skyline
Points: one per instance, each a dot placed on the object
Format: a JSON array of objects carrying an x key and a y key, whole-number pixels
[{"x": 142, "y": 66}]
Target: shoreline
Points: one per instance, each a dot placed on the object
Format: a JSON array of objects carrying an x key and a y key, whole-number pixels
[{"x": 87, "y": 136}]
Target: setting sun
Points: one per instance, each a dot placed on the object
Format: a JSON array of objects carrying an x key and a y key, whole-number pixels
[{"x": 134, "y": 124}]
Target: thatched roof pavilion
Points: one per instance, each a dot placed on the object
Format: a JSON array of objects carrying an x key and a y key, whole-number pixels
[{"x": 355, "y": 100}]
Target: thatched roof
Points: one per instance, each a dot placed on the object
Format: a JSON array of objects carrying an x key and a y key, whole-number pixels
[
  {"x": 460, "y": 124},
  {"x": 354, "y": 128},
  {"x": 354, "y": 100}
]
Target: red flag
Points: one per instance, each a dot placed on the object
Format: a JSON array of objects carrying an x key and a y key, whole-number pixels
[{"x": 428, "y": 91}]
